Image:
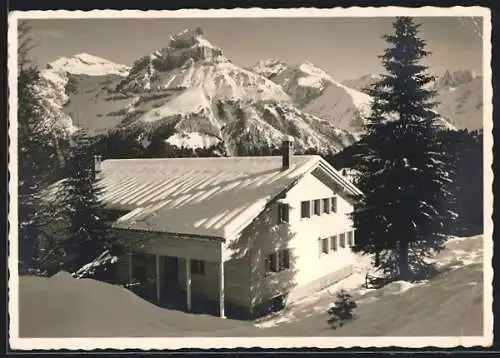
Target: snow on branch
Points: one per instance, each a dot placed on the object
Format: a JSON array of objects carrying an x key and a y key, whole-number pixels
[{"x": 103, "y": 260}]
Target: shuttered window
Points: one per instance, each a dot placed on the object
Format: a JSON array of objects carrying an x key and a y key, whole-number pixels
[
  {"x": 334, "y": 204},
  {"x": 333, "y": 243},
  {"x": 324, "y": 246},
  {"x": 284, "y": 259},
  {"x": 278, "y": 261},
  {"x": 342, "y": 240},
  {"x": 283, "y": 213},
  {"x": 305, "y": 209},
  {"x": 326, "y": 206},
  {"x": 317, "y": 207}
]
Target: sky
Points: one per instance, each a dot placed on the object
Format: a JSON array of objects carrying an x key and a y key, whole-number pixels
[{"x": 345, "y": 47}]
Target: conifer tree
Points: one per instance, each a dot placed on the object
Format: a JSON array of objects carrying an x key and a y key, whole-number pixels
[
  {"x": 403, "y": 170},
  {"x": 87, "y": 234},
  {"x": 342, "y": 310},
  {"x": 36, "y": 153}
]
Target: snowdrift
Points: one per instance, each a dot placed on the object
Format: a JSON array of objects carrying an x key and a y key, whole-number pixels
[{"x": 64, "y": 307}]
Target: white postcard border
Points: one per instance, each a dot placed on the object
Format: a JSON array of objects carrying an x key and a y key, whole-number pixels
[{"x": 249, "y": 342}]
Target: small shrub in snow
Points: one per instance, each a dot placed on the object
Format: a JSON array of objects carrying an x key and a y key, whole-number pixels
[{"x": 342, "y": 310}]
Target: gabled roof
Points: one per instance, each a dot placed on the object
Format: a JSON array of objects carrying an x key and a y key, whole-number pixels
[{"x": 211, "y": 197}]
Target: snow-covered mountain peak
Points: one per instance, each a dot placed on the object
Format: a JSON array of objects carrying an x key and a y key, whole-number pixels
[
  {"x": 313, "y": 76},
  {"x": 86, "y": 64},
  {"x": 191, "y": 62},
  {"x": 188, "y": 38},
  {"x": 269, "y": 68},
  {"x": 311, "y": 69}
]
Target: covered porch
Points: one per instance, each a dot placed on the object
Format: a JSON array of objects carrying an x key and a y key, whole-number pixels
[{"x": 178, "y": 272}]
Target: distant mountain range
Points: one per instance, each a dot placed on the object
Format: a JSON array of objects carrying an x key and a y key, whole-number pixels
[
  {"x": 316, "y": 92},
  {"x": 190, "y": 95},
  {"x": 459, "y": 93}
]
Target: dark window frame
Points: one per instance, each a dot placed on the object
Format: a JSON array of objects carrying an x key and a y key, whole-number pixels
[
  {"x": 277, "y": 261},
  {"x": 334, "y": 204},
  {"x": 317, "y": 207},
  {"x": 326, "y": 206},
  {"x": 325, "y": 245},
  {"x": 305, "y": 214},
  {"x": 334, "y": 243},
  {"x": 343, "y": 240},
  {"x": 283, "y": 213}
]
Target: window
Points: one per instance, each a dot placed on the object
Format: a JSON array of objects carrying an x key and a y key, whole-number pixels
[
  {"x": 317, "y": 207},
  {"x": 342, "y": 240},
  {"x": 324, "y": 246},
  {"x": 284, "y": 259},
  {"x": 333, "y": 243},
  {"x": 278, "y": 261},
  {"x": 198, "y": 267},
  {"x": 305, "y": 209},
  {"x": 334, "y": 204},
  {"x": 283, "y": 213},
  {"x": 350, "y": 238},
  {"x": 326, "y": 206}
]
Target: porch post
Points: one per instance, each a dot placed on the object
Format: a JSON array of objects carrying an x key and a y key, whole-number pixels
[
  {"x": 158, "y": 278},
  {"x": 188, "y": 283},
  {"x": 129, "y": 267},
  {"x": 221, "y": 284}
]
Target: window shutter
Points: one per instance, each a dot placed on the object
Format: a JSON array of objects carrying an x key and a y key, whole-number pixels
[
  {"x": 326, "y": 206},
  {"x": 333, "y": 243},
  {"x": 342, "y": 240},
  {"x": 305, "y": 209},
  {"x": 285, "y": 259},
  {"x": 334, "y": 204},
  {"x": 324, "y": 246},
  {"x": 283, "y": 213},
  {"x": 274, "y": 263}
]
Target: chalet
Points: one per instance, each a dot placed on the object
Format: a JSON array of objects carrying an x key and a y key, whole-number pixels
[{"x": 248, "y": 233}]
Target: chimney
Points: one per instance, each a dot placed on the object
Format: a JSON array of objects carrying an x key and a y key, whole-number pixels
[{"x": 286, "y": 152}]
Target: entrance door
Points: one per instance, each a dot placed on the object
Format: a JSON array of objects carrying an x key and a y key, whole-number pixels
[{"x": 171, "y": 273}]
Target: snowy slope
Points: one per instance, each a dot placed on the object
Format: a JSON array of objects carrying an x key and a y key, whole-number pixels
[
  {"x": 318, "y": 93},
  {"x": 457, "y": 288},
  {"x": 64, "y": 307}
]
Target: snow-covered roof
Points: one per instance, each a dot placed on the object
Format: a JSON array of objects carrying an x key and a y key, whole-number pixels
[{"x": 211, "y": 197}]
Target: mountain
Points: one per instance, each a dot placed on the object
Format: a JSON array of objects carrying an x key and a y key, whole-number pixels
[
  {"x": 186, "y": 94},
  {"x": 315, "y": 91},
  {"x": 71, "y": 89},
  {"x": 459, "y": 93},
  {"x": 85, "y": 64}
]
